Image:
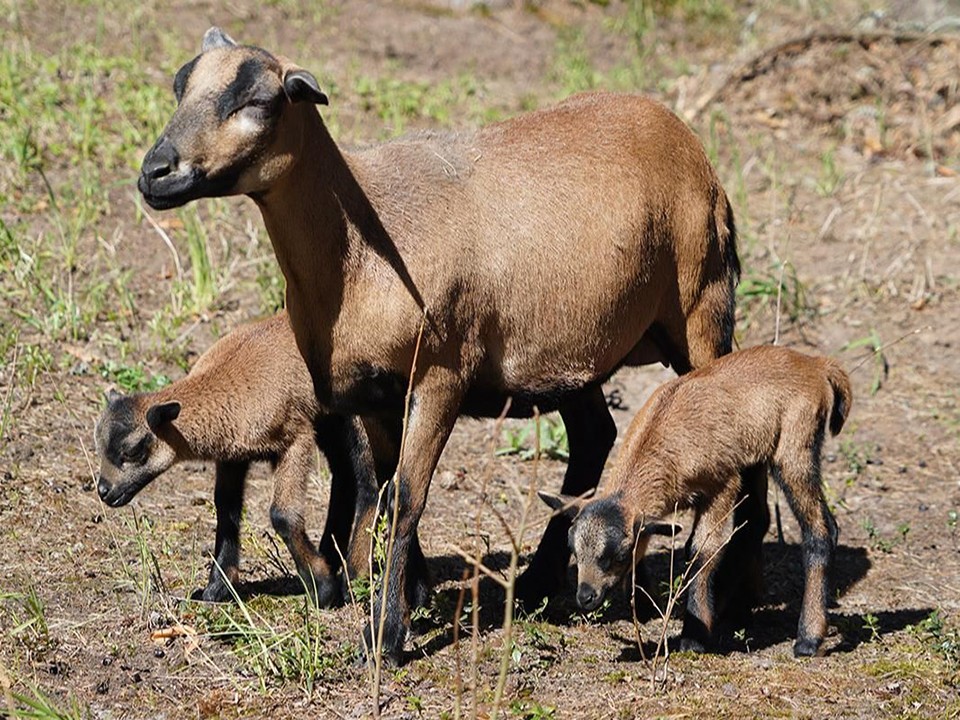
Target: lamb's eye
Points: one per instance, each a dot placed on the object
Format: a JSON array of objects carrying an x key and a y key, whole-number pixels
[{"x": 136, "y": 454}]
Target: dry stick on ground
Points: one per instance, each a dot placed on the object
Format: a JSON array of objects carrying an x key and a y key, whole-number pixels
[
  {"x": 354, "y": 603},
  {"x": 881, "y": 348},
  {"x": 458, "y": 700},
  {"x": 478, "y": 567},
  {"x": 385, "y": 575},
  {"x": 764, "y": 60},
  {"x": 515, "y": 547}
]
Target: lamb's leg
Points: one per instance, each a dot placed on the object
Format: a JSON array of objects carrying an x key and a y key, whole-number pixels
[
  {"x": 711, "y": 533},
  {"x": 228, "y": 501},
  {"x": 799, "y": 476},
  {"x": 287, "y": 517},
  {"x": 342, "y": 442},
  {"x": 591, "y": 433},
  {"x": 436, "y": 402}
]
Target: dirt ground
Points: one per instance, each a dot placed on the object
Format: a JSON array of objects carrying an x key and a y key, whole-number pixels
[{"x": 835, "y": 127}]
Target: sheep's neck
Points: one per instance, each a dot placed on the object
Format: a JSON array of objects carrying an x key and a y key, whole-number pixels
[{"x": 307, "y": 217}]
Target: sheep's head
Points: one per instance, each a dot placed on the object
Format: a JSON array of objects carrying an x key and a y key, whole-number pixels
[
  {"x": 606, "y": 540},
  {"x": 131, "y": 446},
  {"x": 233, "y": 131}
]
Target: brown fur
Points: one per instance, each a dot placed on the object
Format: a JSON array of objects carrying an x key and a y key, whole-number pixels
[
  {"x": 248, "y": 398},
  {"x": 764, "y": 406},
  {"x": 547, "y": 250}
]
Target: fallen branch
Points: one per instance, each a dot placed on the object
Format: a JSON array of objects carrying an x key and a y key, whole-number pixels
[{"x": 764, "y": 60}]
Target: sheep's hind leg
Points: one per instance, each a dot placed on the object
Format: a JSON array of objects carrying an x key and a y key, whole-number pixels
[
  {"x": 798, "y": 472},
  {"x": 591, "y": 433},
  {"x": 228, "y": 501}
]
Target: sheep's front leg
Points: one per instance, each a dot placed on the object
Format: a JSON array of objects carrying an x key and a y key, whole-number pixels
[
  {"x": 382, "y": 442},
  {"x": 228, "y": 501},
  {"x": 433, "y": 412},
  {"x": 711, "y": 533},
  {"x": 287, "y": 517},
  {"x": 591, "y": 433}
]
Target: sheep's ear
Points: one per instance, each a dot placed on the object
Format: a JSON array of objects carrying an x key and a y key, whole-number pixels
[
  {"x": 659, "y": 528},
  {"x": 161, "y": 414},
  {"x": 302, "y": 86},
  {"x": 568, "y": 505},
  {"x": 216, "y": 38}
]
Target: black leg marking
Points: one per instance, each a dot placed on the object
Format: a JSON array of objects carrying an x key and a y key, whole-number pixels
[{"x": 228, "y": 501}]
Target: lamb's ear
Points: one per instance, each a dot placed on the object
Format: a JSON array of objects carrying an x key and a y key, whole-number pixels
[
  {"x": 302, "y": 86},
  {"x": 660, "y": 528},
  {"x": 568, "y": 505},
  {"x": 216, "y": 38},
  {"x": 161, "y": 414}
]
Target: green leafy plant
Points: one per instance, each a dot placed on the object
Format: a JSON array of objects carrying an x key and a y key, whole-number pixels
[
  {"x": 881, "y": 367},
  {"x": 521, "y": 441}
]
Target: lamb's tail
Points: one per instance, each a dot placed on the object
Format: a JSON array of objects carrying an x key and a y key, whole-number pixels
[{"x": 842, "y": 394}]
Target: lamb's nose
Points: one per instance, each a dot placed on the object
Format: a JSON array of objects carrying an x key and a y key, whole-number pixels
[
  {"x": 586, "y": 596},
  {"x": 103, "y": 489}
]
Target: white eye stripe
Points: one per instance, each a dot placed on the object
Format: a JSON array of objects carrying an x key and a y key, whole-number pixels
[{"x": 246, "y": 122}]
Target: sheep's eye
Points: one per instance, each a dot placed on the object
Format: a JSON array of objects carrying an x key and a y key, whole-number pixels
[
  {"x": 137, "y": 454},
  {"x": 256, "y": 107}
]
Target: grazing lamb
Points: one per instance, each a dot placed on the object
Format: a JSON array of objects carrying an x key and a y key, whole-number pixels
[
  {"x": 764, "y": 406},
  {"x": 545, "y": 253},
  {"x": 248, "y": 398}
]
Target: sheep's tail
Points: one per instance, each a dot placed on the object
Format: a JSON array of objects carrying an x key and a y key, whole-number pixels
[{"x": 842, "y": 394}]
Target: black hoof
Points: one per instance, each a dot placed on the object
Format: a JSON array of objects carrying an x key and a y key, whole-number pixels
[
  {"x": 212, "y": 593},
  {"x": 324, "y": 592},
  {"x": 806, "y": 647},
  {"x": 692, "y": 645},
  {"x": 392, "y": 650}
]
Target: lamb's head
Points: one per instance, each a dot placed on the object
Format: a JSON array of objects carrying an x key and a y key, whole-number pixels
[
  {"x": 131, "y": 443},
  {"x": 606, "y": 539},
  {"x": 235, "y": 128}
]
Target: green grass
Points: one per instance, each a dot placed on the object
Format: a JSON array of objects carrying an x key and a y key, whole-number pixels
[
  {"x": 32, "y": 704},
  {"x": 400, "y": 103}
]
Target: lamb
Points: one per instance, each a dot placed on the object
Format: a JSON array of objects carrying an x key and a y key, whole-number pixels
[
  {"x": 765, "y": 406},
  {"x": 541, "y": 254},
  {"x": 249, "y": 398}
]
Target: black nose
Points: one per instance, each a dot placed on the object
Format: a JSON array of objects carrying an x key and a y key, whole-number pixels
[
  {"x": 103, "y": 489},
  {"x": 586, "y": 596},
  {"x": 160, "y": 160}
]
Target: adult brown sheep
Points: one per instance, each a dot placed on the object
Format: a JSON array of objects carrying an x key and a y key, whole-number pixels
[{"x": 547, "y": 251}]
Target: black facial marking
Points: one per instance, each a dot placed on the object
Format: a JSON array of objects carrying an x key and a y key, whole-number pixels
[
  {"x": 181, "y": 78},
  {"x": 607, "y": 513},
  {"x": 241, "y": 89},
  {"x": 118, "y": 426}
]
